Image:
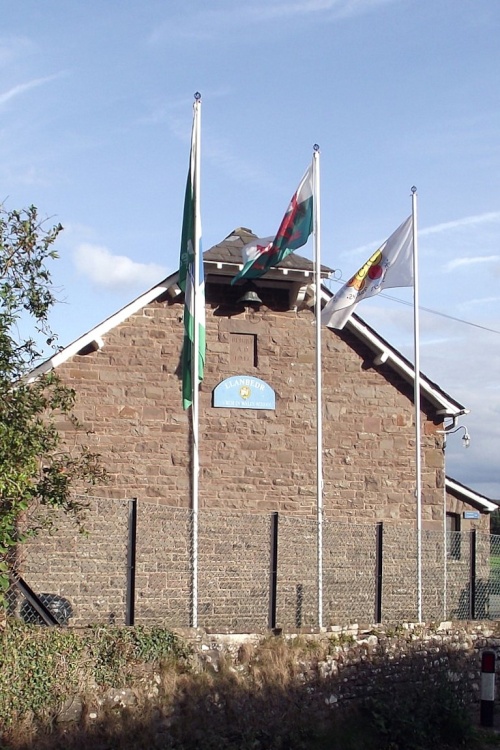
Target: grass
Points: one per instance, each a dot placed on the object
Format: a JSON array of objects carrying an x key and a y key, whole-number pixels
[{"x": 495, "y": 566}]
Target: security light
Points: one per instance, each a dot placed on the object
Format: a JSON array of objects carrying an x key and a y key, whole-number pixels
[{"x": 465, "y": 437}]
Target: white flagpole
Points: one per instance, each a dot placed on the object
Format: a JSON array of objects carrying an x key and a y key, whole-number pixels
[
  {"x": 418, "y": 450},
  {"x": 195, "y": 357},
  {"x": 319, "y": 399}
]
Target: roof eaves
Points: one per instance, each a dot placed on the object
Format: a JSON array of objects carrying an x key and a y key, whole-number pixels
[
  {"x": 447, "y": 406},
  {"x": 102, "y": 328},
  {"x": 468, "y": 495},
  {"x": 274, "y": 272},
  {"x": 386, "y": 354}
]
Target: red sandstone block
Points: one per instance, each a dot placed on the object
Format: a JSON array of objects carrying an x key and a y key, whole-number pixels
[
  {"x": 153, "y": 412},
  {"x": 83, "y": 374}
]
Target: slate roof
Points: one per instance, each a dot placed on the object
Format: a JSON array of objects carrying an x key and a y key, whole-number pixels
[
  {"x": 228, "y": 253},
  {"x": 224, "y": 259}
]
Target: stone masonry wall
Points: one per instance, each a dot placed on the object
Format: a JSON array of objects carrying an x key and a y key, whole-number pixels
[
  {"x": 358, "y": 657},
  {"x": 87, "y": 566},
  {"x": 129, "y": 398},
  {"x": 253, "y": 462},
  {"x": 235, "y": 566},
  {"x": 163, "y": 577},
  {"x": 251, "y": 684}
]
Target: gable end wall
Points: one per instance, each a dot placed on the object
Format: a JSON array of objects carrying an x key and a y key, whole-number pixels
[{"x": 128, "y": 398}]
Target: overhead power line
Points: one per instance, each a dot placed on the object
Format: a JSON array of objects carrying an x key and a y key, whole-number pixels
[
  {"x": 432, "y": 312},
  {"x": 441, "y": 314}
]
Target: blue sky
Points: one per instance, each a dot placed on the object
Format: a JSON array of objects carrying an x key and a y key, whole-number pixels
[{"x": 95, "y": 118}]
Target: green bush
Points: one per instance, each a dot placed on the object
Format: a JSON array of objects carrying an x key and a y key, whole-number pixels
[
  {"x": 258, "y": 701},
  {"x": 41, "y": 667}
]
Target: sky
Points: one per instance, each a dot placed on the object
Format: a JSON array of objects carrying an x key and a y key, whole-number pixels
[{"x": 95, "y": 122}]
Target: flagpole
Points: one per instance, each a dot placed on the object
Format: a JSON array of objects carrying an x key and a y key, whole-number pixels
[
  {"x": 319, "y": 400},
  {"x": 195, "y": 357},
  {"x": 418, "y": 451}
]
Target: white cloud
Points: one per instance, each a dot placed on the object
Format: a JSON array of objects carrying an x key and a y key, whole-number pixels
[
  {"x": 466, "y": 367},
  {"x": 448, "y": 226},
  {"x": 310, "y": 7},
  {"x": 459, "y": 262},
  {"x": 104, "y": 269},
  {"x": 479, "y": 301},
  {"x": 221, "y": 152},
  {"x": 172, "y": 110},
  {"x": 12, "y": 47},
  {"x": 22, "y": 87},
  {"x": 216, "y": 19},
  {"x": 466, "y": 221},
  {"x": 357, "y": 7},
  {"x": 224, "y": 156},
  {"x": 23, "y": 174}
]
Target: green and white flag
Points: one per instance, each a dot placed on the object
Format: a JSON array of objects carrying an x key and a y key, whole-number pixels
[{"x": 191, "y": 280}]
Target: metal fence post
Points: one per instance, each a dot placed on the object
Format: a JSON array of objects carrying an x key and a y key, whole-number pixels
[
  {"x": 273, "y": 591},
  {"x": 379, "y": 564},
  {"x": 131, "y": 554},
  {"x": 472, "y": 584}
]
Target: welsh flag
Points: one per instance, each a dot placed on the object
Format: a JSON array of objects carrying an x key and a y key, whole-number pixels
[{"x": 261, "y": 255}]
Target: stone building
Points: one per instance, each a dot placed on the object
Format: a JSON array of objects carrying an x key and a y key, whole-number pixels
[{"x": 260, "y": 461}]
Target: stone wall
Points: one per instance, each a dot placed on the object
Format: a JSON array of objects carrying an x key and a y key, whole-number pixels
[
  {"x": 128, "y": 397},
  {"x": 163, "y": 568},
  {"x": 350, "y": 660},
  {"x": 350, "y": 575},
  {"x": 87, "y": 564},
  {"x": 319, "y": 673},
  {"x": 252, "y": 463}
]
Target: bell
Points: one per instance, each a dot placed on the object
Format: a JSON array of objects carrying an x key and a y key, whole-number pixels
[{"x": 250, "y": 297}]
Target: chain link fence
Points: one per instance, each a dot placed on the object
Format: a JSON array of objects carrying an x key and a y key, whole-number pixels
[
  {"x": 494, "y": 577},
  {"x": 78, "y": 570},
  {"x": 134, "y": 562},
  {"x": 349, "y": 572}
]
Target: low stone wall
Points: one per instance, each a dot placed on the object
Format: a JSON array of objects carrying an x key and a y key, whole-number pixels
[
  {"x": 349, "y": 663},
  {"x": 265, "y": 676}
]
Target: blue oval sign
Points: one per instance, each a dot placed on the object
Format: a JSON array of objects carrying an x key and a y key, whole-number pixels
[{"x": 244, "y": 392}]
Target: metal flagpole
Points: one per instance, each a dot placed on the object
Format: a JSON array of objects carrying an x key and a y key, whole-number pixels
[
  {"x": 445, "y": 555},
  {"x": 319, "y": 400},
  {"x": 195, "y": 355},
  {"x": 418, "y": 451}
]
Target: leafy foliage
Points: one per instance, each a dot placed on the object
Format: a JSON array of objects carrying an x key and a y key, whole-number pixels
[
  {"x": 34, "y": 467},
  {"x": 268, "y": 697},
  {"x": 40, "y": 667},
  {"x": 114, "y": 649},
  {"x": 495, "y": 522}
]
